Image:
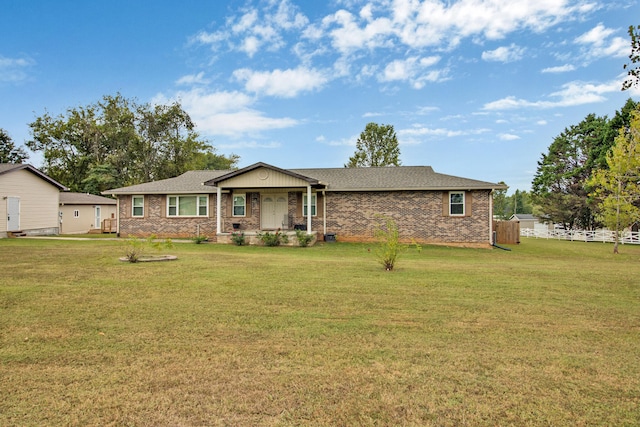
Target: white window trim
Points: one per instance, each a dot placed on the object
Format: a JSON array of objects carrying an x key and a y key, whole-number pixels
[
  {"x": 133, "y": 210},
  {"x": 233, "y": 206},
  {"x": 197, "y": 196},
  {"x": 314, "y": 203},
  {"x": 464, "y": 207}
]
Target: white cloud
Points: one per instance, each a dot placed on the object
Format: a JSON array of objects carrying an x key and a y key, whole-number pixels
[
  {"x": 436, "y": 22},
  {"x": 425, "y": 131},
  {"x": 347, "y": 36},
  {"x": 14, "y": 70},
  {"x": 559, "y": 69},
  {"x": 572, "y": 94},
  {"x": 508, "y": 137},
  {"x": 248, "y": 145},
  {"x": 350, "y": 141},
  {"x": 412, "y": 70},
  {"x": 504, "y": 54},
  {"x": 225, "y": 113},
  {"x": 193, "y": 79},
  {"x": 597, "y": 43},
  {"x": 256, "y": 28},
  {"x": 281, "y": 83}
]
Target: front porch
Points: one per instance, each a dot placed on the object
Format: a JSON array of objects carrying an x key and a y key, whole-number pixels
[{"x": 252, "y": 237}]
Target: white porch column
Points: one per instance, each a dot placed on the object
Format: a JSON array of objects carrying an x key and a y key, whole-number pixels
[
  {"x": 309, "y": 209},
  {"x": 218, "y": 208}
]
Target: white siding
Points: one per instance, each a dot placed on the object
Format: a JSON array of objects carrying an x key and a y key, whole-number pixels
[
  {"x": 263, "y": 178},
  {"x": 86, "y": 217},
  {"x": 39, "y": 200}
]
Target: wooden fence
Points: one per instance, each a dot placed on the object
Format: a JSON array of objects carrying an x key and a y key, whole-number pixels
[{"x": 507, "y": 232}]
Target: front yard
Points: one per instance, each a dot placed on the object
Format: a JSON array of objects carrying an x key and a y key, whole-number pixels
[{"x": 546, "y": 334}]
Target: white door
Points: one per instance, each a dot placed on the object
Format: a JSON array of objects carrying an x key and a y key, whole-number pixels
[
  {"x": 273, "y": 210},
  {"x": 98, "y": 219},
  {"x": 13, "y": 214}
]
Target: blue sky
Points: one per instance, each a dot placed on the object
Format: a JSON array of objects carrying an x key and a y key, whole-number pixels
[{"x": 473, "y": 88}]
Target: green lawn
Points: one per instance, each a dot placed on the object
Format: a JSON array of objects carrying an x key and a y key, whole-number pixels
[{"x": 547, "y": 334}]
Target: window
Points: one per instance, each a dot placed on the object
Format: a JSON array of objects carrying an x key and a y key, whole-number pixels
[
  {"x": 239, "y": 204},
  {"x": 138, "y": 205},
  {"x": 187, "y": 206},
  {"x": 76, "y": 213},
  {"x": 456, "y": 203},
  {"x": 313, "y": 205}
]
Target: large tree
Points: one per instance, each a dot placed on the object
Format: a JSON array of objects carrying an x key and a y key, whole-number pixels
[
  {"x": 8, "y": 151},
  {"x": 117, "y": 142},
  {"x": 559, "y": 185},
  {"x": 376, "y": 146},
  {"x": 617, "y": 187}
]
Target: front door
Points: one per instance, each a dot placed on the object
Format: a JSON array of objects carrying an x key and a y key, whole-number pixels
[
  {"x": 274, "y": 211},
  {"x": 13, "y": 214},
  {"x": 98, "y": 219}
]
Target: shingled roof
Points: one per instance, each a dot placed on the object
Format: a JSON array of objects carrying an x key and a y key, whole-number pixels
[
  {"x": 392, "y": 178},
  {"x": 187, "y": 183},
  {"x": 84, "y": 199},
  {"x": 334, "y": 179}
]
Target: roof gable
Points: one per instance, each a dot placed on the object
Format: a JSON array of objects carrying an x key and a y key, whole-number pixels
[
  {"x": 9, "y": 167},
  {"x": 261, "y": 175}
]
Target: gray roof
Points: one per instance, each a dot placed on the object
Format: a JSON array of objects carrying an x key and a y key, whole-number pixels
[
  {"x": 84, "y": 199},
  {"x": 392, "y": 178},
  {"x": 187, "y": 183},
  {"x": 333, "y": 179},
  {"x": 524, "y": 217},
  {"x": 11, "y": 167}
]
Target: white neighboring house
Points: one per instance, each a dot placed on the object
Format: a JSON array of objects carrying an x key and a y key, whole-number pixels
[
  {"x": 528, "y": 221},
  {"x": 29, "y": 201},
  {"x": 82, "y": 213}
]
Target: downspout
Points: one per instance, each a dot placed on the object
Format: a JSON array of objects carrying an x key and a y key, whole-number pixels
[
  {"x": 309, "y": 209},
  {"x": 324, "y": 210},
  {"x": 218, "y": 207},
  {"x": 491, "y": 233},
  {"x": 118, "y": 213}
]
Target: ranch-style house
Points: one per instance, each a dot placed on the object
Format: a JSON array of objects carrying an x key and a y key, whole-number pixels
[{"x": 342, "y": 203}]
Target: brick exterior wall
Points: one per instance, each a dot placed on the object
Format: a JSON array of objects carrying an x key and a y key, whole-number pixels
[
  {"x": 155, "y": 220},
  {"x": 350, "y": 215},
  {"x": 418, "y": 214}
]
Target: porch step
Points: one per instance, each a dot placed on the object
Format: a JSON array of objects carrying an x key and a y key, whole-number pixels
[{"x": 12, "y": 234}]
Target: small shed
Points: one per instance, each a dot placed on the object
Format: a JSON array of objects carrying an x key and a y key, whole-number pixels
[
  {"x": 529, "y": 221},
  {"x": 82, "y": 213}
]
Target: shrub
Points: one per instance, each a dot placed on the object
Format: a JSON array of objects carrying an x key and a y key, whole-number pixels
[
  {"x": 136, "y": 248},
  {"x": 238, "y": 238},
  {"x": 200, "y": 239},
  {"x": 273, "y": 239},
  {"x": 303, "y": 238},
  {"x": 389, "y": 246}
]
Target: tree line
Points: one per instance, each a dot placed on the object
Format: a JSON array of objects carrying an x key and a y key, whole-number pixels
[
  {"x": 590, "y": 176},
  {"x": 116, "y": 142}
]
